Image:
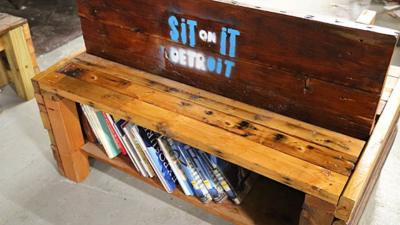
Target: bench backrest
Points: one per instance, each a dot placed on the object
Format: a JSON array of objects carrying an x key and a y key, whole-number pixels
[{"x": 322, "y": 71}]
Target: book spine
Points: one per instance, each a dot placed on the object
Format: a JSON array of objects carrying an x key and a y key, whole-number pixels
[
  {"x": 92, "y": 122},
  {"x": 228, "y": 188},
  {"x": 175, "y": 166},
  {"x": 129, "y": 131},
  {"x": 221, "y": 196},
  {"x": 114, "y": 135},
  {"x": 157, "y": 157},
  {"x": 132, "y": 158},
  {"x": 149, "y": 151},
  {"x": 209, "y": 185},
  {"x": 108, "y": 143},
  {"x": 87, "y": 128},
  {"x": 191, "y": 173}
]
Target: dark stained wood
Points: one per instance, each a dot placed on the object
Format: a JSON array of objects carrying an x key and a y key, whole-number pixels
[
  {"x": 317, "y": 72},
  {"x": 255, "y": 210}
]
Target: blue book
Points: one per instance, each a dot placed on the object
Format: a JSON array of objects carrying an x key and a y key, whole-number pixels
[
  {"x": 208, "y": 170},
  {"x": 190, "y": 171},
  {"x": 203, "y": 174},
  {"x": 172, "y": 156},
  {"x": 156, "y": 158},
  {"x": 239, "y": 179}
]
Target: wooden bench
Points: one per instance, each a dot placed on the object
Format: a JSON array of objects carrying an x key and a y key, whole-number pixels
[
  {"x": 310, "y": 159},
  {"x": 300, "y": 106},
  {"x": 17, "y": 55}
]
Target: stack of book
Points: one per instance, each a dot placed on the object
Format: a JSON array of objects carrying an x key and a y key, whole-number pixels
[{"x": 199, "y": 174}]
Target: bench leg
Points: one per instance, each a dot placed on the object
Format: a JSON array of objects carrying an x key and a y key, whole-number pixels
[
  {"x": 66, "y": 136},
  {"x": 20, "y": 59},
  {"x": 316, "y": 212}
]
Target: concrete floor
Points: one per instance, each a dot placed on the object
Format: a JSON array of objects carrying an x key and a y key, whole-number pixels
[{"x": 33, "y": 193}]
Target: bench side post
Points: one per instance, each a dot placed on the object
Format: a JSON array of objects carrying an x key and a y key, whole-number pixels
[
  {"x": 316, "y": 212},
  {"x": 67, "y": 134}
]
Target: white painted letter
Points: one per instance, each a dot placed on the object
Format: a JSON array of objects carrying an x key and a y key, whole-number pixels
[
  {"x": 182, "y": 57},
  {"x": 201, "y": 62},
  {"x": 174, "y": 55}
]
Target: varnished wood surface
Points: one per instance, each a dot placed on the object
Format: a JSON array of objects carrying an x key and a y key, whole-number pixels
[
  {"x": 269, "y": 144},
  {"x": 370, "y": 162},
  {"x": 255, "y": 210},
  {"x": 290, "y": 65},
  {"x": 68, "y": 138}
]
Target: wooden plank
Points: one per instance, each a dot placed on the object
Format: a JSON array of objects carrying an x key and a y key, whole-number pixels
[
  {"x": 31, "y": 48},
  {"x": 332, "y": 159},
  {"x": 317, "y": 135},
  {"x": 68, "y": 137},
  {"x": 253, "y": 211},
  {"x": 20, "y": 60},
  {"x": 390, "y": 83},
  {"x": 316, "y": 212},
  {"x": 9, "y": 22},
  {"x": 359, "y": 209},
  {"x": 137, "y": 34},
  {"x": 370, "y": 158},
  {"x": 266, "y": 161}
]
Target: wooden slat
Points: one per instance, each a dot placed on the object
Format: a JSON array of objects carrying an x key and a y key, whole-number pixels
[
  {"x": 391, "y": 81},
  {"x": 370, "y": 158},
  {"x": 359, "y": 209},
  {"x": 136, "y": 33},
  {"x": 334, "y": 160},
  {"x": 296, "y": 173},
  {"x": 9, "y": 22},
  {"x": 20, "y": 60},
  {"x": 317, "y": 135},
  {"x": 253, "y": 211}
]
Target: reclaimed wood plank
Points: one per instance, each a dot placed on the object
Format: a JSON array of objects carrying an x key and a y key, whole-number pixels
[
  {"x": 317, "y": 135},
  {"x": 370, "y": 158},
  {"x": 331, "y": 159},
  {"x": 22, "y": 65},
  {"x": 266, "y": 161},
  {"x": 139, "y": 37},
  {"x": 65, "y": 127}
]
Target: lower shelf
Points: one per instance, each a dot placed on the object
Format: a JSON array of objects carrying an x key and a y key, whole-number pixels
[{"x": 268, "y": 203}]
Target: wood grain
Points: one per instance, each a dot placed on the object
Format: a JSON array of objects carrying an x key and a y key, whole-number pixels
[
  {"x": 286, "y": 73},
  {"x": 371, "y": 158},
  {"x": 317, "y": 135},
  {"x": 68, "y": 137},
  {"x": 296, "y": 173},
  {"x": 316, "y": 212},
  {"x": 338, "y": 160}
]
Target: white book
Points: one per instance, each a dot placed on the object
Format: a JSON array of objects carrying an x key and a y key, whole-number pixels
[
  {"x": 143, "y": 145},
  {"x": 134, "y": 157},
  {"x": 174, "y": 163},
  {"x": 138, "y": 149},
  {"x": 102, "y": 136},
  {"x": 91, "y": 122}
]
